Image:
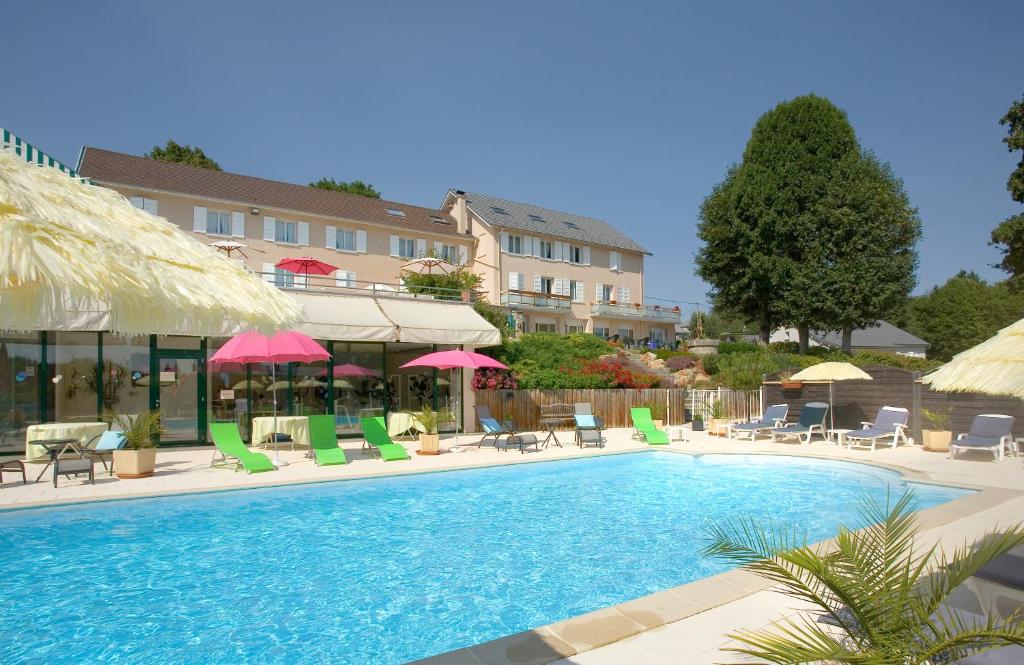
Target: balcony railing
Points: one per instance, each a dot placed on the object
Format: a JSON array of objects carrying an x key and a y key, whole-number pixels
[
  {"x": 333, "y": 285},
  {"x": 644, "y": 312},
  {"x": 516, "y": 298}
]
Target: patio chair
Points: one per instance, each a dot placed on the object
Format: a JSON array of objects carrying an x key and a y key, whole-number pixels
[
  {"x": 643, "y": 426},
  {"x": 812, "y": 418},
  {"x": 231, "y": 447},
  {"x": 484, "y": 411},
  {"x": 15, "y": 465},
  {"x": 323, "y": 439},
  {"x": 891, "y": 422},
  {"x": 989, "y": 431},
  {"x": 588, "y": 430},
  {"x": 375, "y": 432},
  {"x": 493, "y": 428},
  {"x": 102, "y": 447},
  {"x": 583, "y": 409},
  {"x": 774, "y": 416}
]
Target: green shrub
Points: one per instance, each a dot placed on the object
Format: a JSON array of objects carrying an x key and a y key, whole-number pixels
[
  {"x": 711, "y": 363},
  {"x": 910, "y": 363},
  {"x": 737, "y": 347},
  {"x": 665, "y": 354}
]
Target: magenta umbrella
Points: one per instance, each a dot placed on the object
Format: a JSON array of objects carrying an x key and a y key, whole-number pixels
[
  {"x": 349, "y": 369},
  {"x": 255, "y": 347},
  {"x": 451, "y": 360}
]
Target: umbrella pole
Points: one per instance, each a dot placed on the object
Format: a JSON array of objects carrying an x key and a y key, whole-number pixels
[
  {"x": 831, "y": 410},
  {"x": 458, "y": 416},
  {"x": 277, "y": 449}
]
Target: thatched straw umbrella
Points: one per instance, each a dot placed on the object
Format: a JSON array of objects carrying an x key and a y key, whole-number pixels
[
  {"x": 67, "y": 247},
  {"x": 994, "y": 367}
]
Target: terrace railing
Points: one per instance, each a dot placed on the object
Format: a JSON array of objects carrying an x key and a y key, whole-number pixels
[
  {"x": 344, "y": 286},
  {"x": 634, "y": 311},
  {"x": 535, "y": 300}
]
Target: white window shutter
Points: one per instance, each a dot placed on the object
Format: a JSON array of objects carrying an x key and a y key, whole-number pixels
[
  {"x": 268, "y": 272},
  {"x": 624, "y": 295},
  {"x": 150, "y": 206},
  {"x": 330, "y": 237},
  {"x": 599, "y": 292},
  {"x": 300, "y": 281},
  {"x": 556, "y": 288},
  {"x": 463, "y": 255},
  {"x": 579, "y": 292},
  {"x": 513, "y": 281},
  {"x": 394, "y": 245},
  {"x": 438, "y": 248},
  {"x": 586, "y": 255},
  {"x": 199, "y": 219},
  {"x": 562, "y": 251},
  {"x": 421, "y": 247},
  {"x": 238, "y": 224},
  {"x": 504, "y": 242},
  {"x": 346, "y": 279},
  {"x": 269, "y": 229},
  {"x": 535, "y": 246},
  {"x": 536, "y": 284},
  {"x": 303, "y": 233},
  {"x": 361, "y": 241}
]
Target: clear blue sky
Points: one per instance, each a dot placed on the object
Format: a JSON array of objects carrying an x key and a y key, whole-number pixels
[{"x": 628, "y": 112}]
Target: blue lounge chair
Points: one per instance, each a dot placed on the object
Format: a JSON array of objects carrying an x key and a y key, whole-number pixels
[
  {"x": 102, "y": 447},
  {"x": 812, "y": 418},
  {"x": 774, "y": 416},
  {"x": 890, "y": 423},
  {"x": 588, "y": 430},
  {"x": 989, "y": 431},
  {"x": 493, "y": 428}
]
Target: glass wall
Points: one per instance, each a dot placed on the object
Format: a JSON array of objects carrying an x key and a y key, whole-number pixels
[
  {"x": 409, "y": 389},
  {"x": 73, "y": 364},
  {"x": 228, "y": 392},
  {"x": 125, "y": 374},
  {"x": 20, "y": 357},
  {"x": 308, "y": 392},
  {"x": 358, "y": 384}
]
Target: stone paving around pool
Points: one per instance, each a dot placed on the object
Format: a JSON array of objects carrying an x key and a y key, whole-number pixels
[{"x": 686, "y": 624}]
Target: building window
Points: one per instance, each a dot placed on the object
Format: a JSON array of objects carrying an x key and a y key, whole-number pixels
[
  {"x": 575, "y": 291},
  {"x": 544, "y": 327},
  {"x": 345, "y": 240},
  {"x": 284, "y": 279},
  {"x": 286, "y": 232},
  {"x": 602, "y": 331},
  {"x": 218, "y": 223},
  {"x": 149, "y": 205},
  {"x": 449, "y": 253},
  {"x": 575, "y": 254},
  {"x": 515, "y": 245},
  {"x": 606, "y": 293},
  {"x": 625, "y": 333},
  {"x": 407, "y": 248},
  {"x": 657, "y": 335},
  {"x": 547, "y": 285},
  {"x": 615, "y": 261},
  {"x": 546, "y": 251},
  {"x": 573, "y": 328}
]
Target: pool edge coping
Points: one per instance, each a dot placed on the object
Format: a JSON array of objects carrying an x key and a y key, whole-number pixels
[{"x": 607, "y": 625}]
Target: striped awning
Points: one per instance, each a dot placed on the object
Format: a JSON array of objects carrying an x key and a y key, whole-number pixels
[{"x": 33, "y": 155}]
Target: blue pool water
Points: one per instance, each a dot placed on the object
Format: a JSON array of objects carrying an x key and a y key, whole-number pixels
[{"x": 389, "y": 570}]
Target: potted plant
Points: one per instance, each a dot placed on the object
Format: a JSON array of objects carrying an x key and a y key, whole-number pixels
[
  {"x": 785, "y": 378},
  {"x": 936, "y": 439},
  {"x": 430, "y": 441},
  {"x": 719, "y": 423},
  {"x": 657, "y": 414},
  {"x": 138, "y": 457}
]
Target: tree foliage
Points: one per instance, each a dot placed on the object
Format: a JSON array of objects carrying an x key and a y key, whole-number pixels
[
  {"x": 355, "y": 187},
  {"x": 808, "y": 230},
  {"x": 1009, "y": 235},
  {"x": 452, "y": 286},
  {"x": 961, "y": 313},
  {"x": 882, "y": 591},
  {"x": 183, "y": 154}
]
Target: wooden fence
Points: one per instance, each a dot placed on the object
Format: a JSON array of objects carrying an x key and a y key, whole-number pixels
[
  {"x": 523, "y": 406},
  {"x": 855, "y": 401}
]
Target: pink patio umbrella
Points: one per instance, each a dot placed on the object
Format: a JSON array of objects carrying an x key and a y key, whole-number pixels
[
  {"x": 255, "y": 347},
  {"x": 306, "y": 265},
  {"x": 348, "y": 369},
  {"x": 451, "y": 360}
]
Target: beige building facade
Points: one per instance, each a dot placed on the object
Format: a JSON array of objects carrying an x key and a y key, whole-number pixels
[{"x": 558, "y": 272}]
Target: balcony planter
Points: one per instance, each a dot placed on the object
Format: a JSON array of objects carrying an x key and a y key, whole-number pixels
[
  {"x": 792, "y": 385},
  {"x": 636, "y": 305},
  {"x": 612, "y": 302},
  {"x": 676, "y": 309}
]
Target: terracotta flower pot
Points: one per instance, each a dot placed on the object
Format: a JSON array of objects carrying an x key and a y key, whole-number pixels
[
  {"x": 134, "y": 463},
  {"x": 430, "y": 444},
  {"x": 936, "y": 440}
]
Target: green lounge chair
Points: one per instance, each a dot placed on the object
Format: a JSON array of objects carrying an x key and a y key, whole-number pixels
[
  {"x": 644, "y": 426},
  {"x": 324, "y": 440},
  {"x": 229, "y": 444},
  {"x": 376, "y": 434}
]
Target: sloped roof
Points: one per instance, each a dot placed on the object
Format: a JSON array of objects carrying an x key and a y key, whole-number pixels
[
  {"x": 884, "y": 335},
  {"x": 543, "y": 221},
  {"x": 107, "y": 167}
]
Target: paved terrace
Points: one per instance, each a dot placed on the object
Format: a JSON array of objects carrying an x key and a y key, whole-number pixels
[{"x": 684, "y": 624}]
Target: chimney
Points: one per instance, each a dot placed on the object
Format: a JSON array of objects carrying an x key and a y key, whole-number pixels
[{"x": 460, "y": 213}]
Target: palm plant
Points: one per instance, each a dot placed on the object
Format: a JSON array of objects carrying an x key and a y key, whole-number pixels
[{"x": 882, "y": 594}]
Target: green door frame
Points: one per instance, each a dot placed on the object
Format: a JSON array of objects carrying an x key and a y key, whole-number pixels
[{"x": 155, "y": 356}]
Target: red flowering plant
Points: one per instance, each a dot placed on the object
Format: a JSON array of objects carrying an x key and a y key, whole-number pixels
[
  {"x": 614, "y": 373},
  {"x": 493, "y": 379}
]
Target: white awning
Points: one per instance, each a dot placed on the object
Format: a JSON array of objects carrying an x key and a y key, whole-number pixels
[
  {"x": 438, "y": 322},
  {"x": 340, "y": 317}
]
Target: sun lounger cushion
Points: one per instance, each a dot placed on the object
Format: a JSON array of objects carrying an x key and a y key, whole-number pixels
[
  {"x": 586, "y": 421},
  {"x": 110, "y": 441}
]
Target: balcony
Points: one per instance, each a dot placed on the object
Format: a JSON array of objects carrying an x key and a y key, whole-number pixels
[
  {"x": 516, "y": 299},
  {"x": 634, "y": 312}
]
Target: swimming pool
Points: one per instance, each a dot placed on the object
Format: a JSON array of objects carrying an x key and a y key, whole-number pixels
[{"x": 389, "y": 570}]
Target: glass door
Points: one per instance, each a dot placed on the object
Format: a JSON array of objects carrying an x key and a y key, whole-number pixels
[{"x": 181, "y": 396}]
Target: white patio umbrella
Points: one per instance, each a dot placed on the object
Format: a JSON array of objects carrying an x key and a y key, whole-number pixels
[
  {"x": 426, "y": 265},
  {"x": 831, "y": 372}
]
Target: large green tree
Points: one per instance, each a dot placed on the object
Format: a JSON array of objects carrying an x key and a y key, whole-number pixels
[
  {"x": 183, "y": 154},
  {"x": 961, "y": 313},
  {"x": 355, "y": 187},
  {"x": 1009, "y": 235}
]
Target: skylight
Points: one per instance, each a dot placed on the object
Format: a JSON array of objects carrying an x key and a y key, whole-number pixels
[
  {"x": 537, "y": 218},
  {"x": 571, "y": 225},
  {"x": 395, "y": 213},
  {"x": 500, "y": 211},
  {"x": 439, "y": 220}
]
